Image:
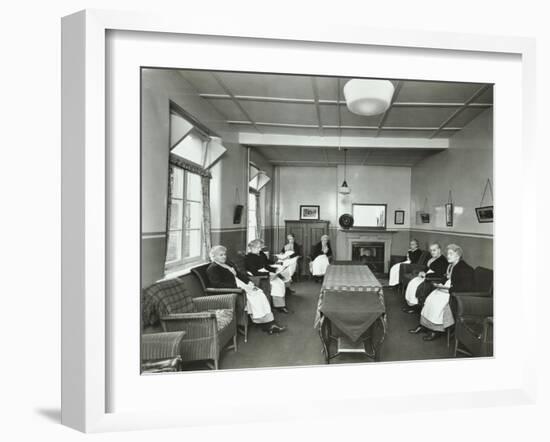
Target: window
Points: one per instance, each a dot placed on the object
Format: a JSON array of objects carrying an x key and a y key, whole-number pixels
[
  {"x": 258, "y": 179},
  {"x": 185, "y": 228}
]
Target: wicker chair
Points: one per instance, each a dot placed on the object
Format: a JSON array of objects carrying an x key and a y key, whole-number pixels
[
  {"x": 205, "y": 337},
  {"x": 242, "y": 315},
  {"x": 161, "y": 352}
]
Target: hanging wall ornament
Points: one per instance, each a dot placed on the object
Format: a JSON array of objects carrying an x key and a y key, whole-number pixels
[
  {"x": 484, "y": 213},
  {"x": 449, "y": 210}
]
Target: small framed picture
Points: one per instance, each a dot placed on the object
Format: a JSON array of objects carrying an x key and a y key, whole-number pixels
[
  {"x": 425, "y": 217},
  {"x": 484, "y": 214},
  {"x": 449, "y": 214},
  {"x": 399, "y": 217},
  {"x": 309, "y": 212}
]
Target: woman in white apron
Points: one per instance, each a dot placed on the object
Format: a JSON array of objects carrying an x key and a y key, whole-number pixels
[
  {"x": 436, "y": 314},
  {"x": 413, "y": 255},
  {"x": 288, "y": 259},
  {"x": 223, "y": 274},
  {"x": 320, "y": 254},
  {"x": 435, "y": 269},
  {"x": 257, "y": 264}
]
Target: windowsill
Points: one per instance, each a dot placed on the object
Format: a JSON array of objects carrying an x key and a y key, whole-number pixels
[{"x": 183, "y": 270}]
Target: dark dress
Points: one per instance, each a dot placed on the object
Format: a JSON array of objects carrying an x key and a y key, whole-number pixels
[
  {"x": 439, "y": 268},
  {"x": 297, "y": 250},
  {"x": 317, "y": 250},
  {"x": 254, "y": 262},
  {"x": 222, "y": 278},
  {"x": 462, "y": 278},
  {"x": 414, "y": 256}
]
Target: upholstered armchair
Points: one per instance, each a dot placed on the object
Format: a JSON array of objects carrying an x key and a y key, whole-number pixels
[
  {"x": 473, "y": 313},
  {"x": 207, "y": 330}
]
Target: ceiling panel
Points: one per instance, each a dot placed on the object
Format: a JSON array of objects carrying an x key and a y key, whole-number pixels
[
  {"x": 328, "y": 88},
  {"x": 268, "y": 85},
  {"x": 486, "y": 97},
  {"x": 419, "y": 117},
  {"x": 229, "y": 109},
  {"x": 406, "y": 133},
  {"x": 464, "y": 117},
  {"x": 436, "y": 92},
  {"x": 329, "y": 116},
  {"x": 286, "y": 113},
  {"x": 291, "y": 130},
  {"x": 203, "y": 82}
]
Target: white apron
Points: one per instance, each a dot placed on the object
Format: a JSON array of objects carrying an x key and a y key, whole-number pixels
[
  {"x": 436, "y": 313},
  {"x": 410, "y": 293},
  {"x": 394, "y": 273},
  {"x": 289, "y": 263},
  {"x": 318, "y": 267},
  {"x": 257, "y": 304}
]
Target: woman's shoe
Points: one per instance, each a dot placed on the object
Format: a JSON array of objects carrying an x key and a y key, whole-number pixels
[
  {"x": 276, "y": 329},
  {"x": 430, "y": 337},
  {"x": 283, "y": 310},
  {"x": 417, "y": 330}
]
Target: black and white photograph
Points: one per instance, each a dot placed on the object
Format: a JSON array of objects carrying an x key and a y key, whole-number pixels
[{"x": 233, "y": 277}]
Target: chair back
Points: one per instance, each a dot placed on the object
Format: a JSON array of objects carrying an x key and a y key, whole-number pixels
[
  {"x": 483, "y": 280},
  {"x": 200, "y": 273}
]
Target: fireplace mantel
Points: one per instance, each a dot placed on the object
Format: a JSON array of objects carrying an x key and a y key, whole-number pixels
[{"x": 346, "y": 237}]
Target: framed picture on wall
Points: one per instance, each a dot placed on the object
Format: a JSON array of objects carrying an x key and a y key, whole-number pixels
[
  {"x": 309, "y": 212},
  {"x": 399, "y": 217},
  {"x": 449, "y": 214},
  {"x": 484, "y": 214}
]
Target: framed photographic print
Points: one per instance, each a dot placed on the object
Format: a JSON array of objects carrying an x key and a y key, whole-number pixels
[
  {"x": 425, "y": 217},
  {"x": 449, "y": 207},
  {"x": 484, "y": 214},
  {"x": 399, "y": 217},
  {"x": 309, "y": 212},
  {"x": 148, "y": 202}
]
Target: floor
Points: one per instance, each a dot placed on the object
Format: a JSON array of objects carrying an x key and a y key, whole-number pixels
[{"x": 300, "y": 344}]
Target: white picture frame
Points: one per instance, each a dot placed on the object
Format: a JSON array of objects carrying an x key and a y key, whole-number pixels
[{"x": 87, "y": 309}]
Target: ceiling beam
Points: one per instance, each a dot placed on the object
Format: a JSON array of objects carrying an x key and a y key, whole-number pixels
[
  {"x": 387, "y": 112},
  {"x": 315, "y": 89},
  {"x": 314, "y": 126},
  {"x": 460, "y": 109},
  {"x": 282, "y": 140},
  {"x": 291, "y": 100}
]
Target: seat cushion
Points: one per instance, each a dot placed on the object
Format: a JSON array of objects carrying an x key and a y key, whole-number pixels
[{"x": 223, "y": 317}]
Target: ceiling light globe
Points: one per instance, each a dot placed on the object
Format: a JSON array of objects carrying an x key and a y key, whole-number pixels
[{"x": 368, "y": 97}]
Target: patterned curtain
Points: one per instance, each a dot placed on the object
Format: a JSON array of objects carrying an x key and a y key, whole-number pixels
[
  {"x": 258, "y": 217},
  {"x": 168, "y": 210},
  {"x": 207, "y": 241},
  {"x": 189, "y": 166}
]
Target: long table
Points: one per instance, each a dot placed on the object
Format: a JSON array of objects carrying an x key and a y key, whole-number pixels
[{"x": 351, "y": 311}]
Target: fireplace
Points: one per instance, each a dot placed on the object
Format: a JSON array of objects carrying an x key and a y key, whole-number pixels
[{"x": 370, "y": 253}]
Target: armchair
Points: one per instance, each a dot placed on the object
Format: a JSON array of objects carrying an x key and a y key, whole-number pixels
[
  {"x": 161, "y": 352},
  {"x": 241, "y": 314},
  {"x": 207, "y": 330},
  {"x": 473, "y": 313}
]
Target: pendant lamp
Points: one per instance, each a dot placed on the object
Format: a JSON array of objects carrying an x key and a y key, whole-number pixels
[{"x": 344, "y": 188}]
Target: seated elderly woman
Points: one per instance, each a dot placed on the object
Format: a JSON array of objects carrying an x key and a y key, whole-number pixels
[
  {"x": 436, "y": 267},
  {"x": 320, "y": 254},
  {"x": 436, "y": 314},
  {"x": 413, "y": 255},
  {"x": 289, "y": 255},
  {"x": 257, "y": 263},
  {"x": 223, "y": 274}
]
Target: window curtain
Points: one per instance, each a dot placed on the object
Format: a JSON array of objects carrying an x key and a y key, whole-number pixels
[
  {"x": 168, "y": 211},
  {"x": 205, "y": 183},
  {"x": 258, "y": 217},
  {"x": 207, "y": 241}
]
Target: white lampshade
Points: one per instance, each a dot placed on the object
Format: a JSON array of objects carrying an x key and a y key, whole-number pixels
[{"x": 368, "y": 97}]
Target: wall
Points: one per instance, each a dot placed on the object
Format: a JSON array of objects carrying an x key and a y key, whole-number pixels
[
  {"x": 380, "y": 184},
  {"x": 228, "y": 175},
  {"x": 297, "y": 186},
  {"x": 464, "y": 169}
]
